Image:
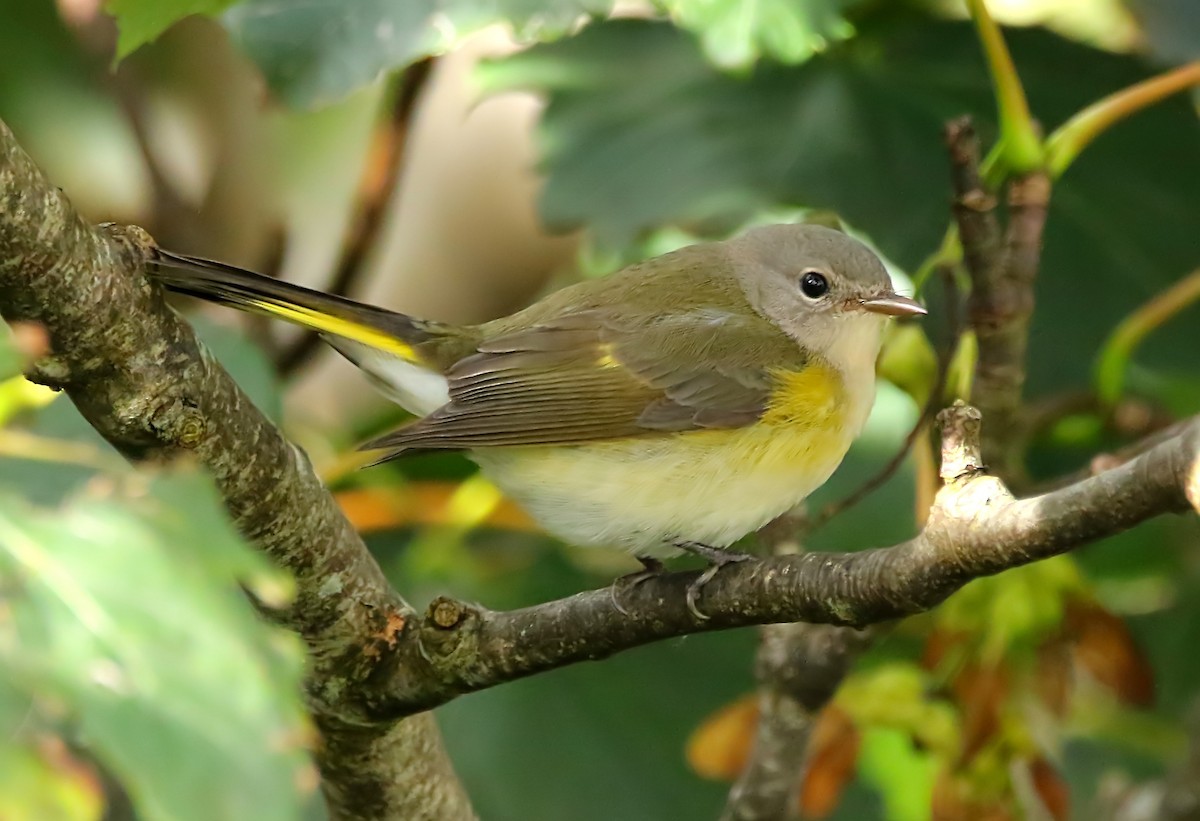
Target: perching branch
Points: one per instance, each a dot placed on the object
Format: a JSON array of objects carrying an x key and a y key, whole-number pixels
[
  {"x": 137, "y": 374},
  {"x": 976, "y": 528}
]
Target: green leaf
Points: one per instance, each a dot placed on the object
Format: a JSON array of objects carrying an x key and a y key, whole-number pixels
[
  {"x": 127, "y": 611},
  {"x": 903, "y": 773},
  {"x": 735, "y": 33},
  {"x": 33, "y": 786},
  {"x": 641, "y": 131},
  {"x": 44, "y": 482},
  {"x": 140, "y": 21},
  {"x": 1013, "y": 613},
  {"x": 317, "y": 51},
  {"x": 11, "y": 359}
]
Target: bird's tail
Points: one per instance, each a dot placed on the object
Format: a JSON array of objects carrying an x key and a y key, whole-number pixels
[{"x": 334, "y": 316}]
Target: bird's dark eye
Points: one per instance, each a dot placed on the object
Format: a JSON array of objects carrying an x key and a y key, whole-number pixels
[{"x": 813, "y": 285}]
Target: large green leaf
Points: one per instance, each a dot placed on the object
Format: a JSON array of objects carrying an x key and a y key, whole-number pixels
[
  {"x": 640, "y": 130},
  {"x": 126, "y": 612},
  {"x": 316, "y": 51},
  {"x": 140, "y": 21},
  {"x": 735, "y": 33}
]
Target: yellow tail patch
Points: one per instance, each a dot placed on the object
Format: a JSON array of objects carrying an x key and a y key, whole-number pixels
[{"x": 339, "y": 326}]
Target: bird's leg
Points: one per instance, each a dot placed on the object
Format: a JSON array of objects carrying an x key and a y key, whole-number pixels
[
  {"x": 717, "y": 557},
  {"x": 651, "y": 567}
]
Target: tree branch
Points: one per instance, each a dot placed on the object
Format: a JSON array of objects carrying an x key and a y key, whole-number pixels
[
  {"x": 1002, "y": 279},
  {"x": 138, "y": 375},
  {"x": 974, "y": 206},
  {"x": 799, "y": 668},
  {"x": 976, "y": 528}
]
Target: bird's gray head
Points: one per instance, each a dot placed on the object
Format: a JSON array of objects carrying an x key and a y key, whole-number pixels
[{"x": 825, "y": 289}]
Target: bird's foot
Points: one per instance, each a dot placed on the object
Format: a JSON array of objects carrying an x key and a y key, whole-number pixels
[
  {"x": 717, "y": 558},
  {"x": 650, "y": 568}
]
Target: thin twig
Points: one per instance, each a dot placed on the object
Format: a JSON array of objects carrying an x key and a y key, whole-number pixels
[
  {"x": 974, "y": 205},
  {"x": 1107, "y": 461}
]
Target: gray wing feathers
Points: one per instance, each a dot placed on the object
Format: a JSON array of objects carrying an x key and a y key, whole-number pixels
[{"x": 589, "y": 376}]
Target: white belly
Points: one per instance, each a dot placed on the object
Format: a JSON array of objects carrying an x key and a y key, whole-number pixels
[{"x": 641, "y": 495}]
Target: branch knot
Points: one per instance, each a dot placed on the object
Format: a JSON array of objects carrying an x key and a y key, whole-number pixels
[{"x": 961, "y": 457}]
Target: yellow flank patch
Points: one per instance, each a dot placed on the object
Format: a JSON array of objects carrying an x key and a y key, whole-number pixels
[
  {"x": 338, "y": 326},
  {"x": 812, "y": 398},
  {"x": 606, "y": 358}
]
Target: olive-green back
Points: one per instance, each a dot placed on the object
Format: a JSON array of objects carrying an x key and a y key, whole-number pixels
[{"x": 670, "y": 344}]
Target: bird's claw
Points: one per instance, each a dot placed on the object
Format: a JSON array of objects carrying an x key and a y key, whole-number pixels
[
  {"x": 717, "y": 558},
  {"x": 650, "y": 569}
]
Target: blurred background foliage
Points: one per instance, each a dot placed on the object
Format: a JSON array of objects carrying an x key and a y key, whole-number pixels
[{"x": 456, "y": 159}]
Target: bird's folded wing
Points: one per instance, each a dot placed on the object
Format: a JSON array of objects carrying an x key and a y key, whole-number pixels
[{"x": 590, "y": 376}]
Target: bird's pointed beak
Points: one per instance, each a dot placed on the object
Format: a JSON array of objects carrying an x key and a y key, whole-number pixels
[{"x": 892, "y": 304}]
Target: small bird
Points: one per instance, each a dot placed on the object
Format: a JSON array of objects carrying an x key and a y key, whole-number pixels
[{"x": 677, "y": 404}]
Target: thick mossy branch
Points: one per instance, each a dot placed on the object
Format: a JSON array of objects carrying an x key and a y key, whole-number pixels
[{"x": 138, "y": 375}]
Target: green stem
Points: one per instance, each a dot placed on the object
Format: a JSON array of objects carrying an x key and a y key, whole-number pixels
[
  {"x": 1115, "y": 355},
  {"x": 949, "y": 252},
  {"x": 1020, "y": 146},
  {"x": 1066, "y": 143}
]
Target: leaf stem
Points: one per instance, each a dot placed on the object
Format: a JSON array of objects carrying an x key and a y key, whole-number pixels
[
  {"x": 1020, "y": 146},
  {"x": 1114, "y": 357},
  {"x": 1069, "y": 140}
]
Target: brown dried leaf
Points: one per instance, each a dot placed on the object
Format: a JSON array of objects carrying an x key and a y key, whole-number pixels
[
  {"x": 832, "y": 756},
  {"x": 1051, "y": 788},
  {"x": 720, "y": 747},
  {"x": 1052, "y": 676},
  {"x": 30, "y": 338},
  {"x": 939, "y": 645},
  {"x": 1104, "y": 647},
  {"x": 981, "y": 693}
]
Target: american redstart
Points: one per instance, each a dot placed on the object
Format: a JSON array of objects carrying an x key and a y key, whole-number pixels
[{"x": 679, "y": 403}]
